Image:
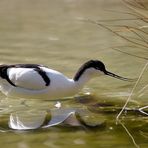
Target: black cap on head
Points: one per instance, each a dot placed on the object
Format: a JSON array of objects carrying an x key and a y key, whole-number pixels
[{"x": 96, "y": 64}]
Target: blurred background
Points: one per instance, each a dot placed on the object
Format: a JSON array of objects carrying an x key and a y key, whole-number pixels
[{"x": 63, "y": 34}]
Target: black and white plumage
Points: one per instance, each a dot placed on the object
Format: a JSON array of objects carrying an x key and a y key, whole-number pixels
[{"x": 38, "y": 81}]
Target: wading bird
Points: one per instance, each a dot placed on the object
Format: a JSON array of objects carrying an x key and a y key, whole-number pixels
[{"x": 38, "y": 81}]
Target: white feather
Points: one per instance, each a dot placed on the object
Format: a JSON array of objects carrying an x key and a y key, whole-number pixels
[{"x": 26, "y": 78}]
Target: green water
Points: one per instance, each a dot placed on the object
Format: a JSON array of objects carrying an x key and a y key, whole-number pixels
[{"x": 53, "y": 33}]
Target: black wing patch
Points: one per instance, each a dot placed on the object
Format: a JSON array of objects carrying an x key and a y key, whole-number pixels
[
  {"x": 43, "y": 75},
  {"x": 4, "y": 75}
]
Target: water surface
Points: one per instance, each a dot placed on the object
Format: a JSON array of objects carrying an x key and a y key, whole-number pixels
[{"x": 53, "y": 33}]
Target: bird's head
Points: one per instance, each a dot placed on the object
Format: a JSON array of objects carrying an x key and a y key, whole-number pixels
[{"x": 95, "y": 68}]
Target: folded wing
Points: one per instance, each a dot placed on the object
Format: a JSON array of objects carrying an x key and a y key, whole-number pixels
[{"x": 28, "y": 78}]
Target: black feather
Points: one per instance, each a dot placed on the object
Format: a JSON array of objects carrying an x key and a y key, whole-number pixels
[
  {"x": 90, "y": 64},
  {"x": 36, "y": 67}
]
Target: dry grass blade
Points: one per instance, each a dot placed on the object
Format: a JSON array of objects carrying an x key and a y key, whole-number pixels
[
  {"x": 143, "y": 89},
  {"x": 137, "y": 16},
  {"x": 135, "y": 3},
  {"x": 133, "y": 28},
  {"x": 129, "y": 134},
  {"x": 129, "y": 47},
  {"x": 130, "y": 54},
  {"x": 143, "y": 112},
  {"x": 115, "y": 20},
  {"x": 119, "y": 35},
  {"x": 133, "y": 89},
  {"x": 139, "y": 7},
  {"x": 138, "y": 35}
]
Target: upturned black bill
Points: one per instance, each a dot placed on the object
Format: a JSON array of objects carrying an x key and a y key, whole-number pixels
[{"x": 118, "y": 77}]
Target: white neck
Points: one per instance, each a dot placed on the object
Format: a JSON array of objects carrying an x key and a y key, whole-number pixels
[{"x": 86, "y": 76}]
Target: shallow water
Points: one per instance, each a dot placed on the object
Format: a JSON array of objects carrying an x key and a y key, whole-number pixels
[{"x": 55, "y": 34}]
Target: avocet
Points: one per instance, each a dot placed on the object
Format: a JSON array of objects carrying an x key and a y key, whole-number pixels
[{"x": 38, "y": 81}]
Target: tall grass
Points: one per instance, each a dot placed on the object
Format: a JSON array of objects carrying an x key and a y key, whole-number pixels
[
  {"x": 139, "y": 9},
  {"x": 135, "y": 35}
]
